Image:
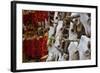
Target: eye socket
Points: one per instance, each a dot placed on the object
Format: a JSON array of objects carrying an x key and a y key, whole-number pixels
[
  {"x": 56, "y": 17},
  {"x": 58, "y": 46},
  {"x": 89, "y": 45},
  {"x": 77, "y": 52},
  {"x": 72, "y": 30},
  {"x": 76, "y": 20},
  {"x": 87, "y": 53}
]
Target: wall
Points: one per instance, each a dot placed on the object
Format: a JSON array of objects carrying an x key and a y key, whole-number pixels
[{"x": 5, "y": 36}]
